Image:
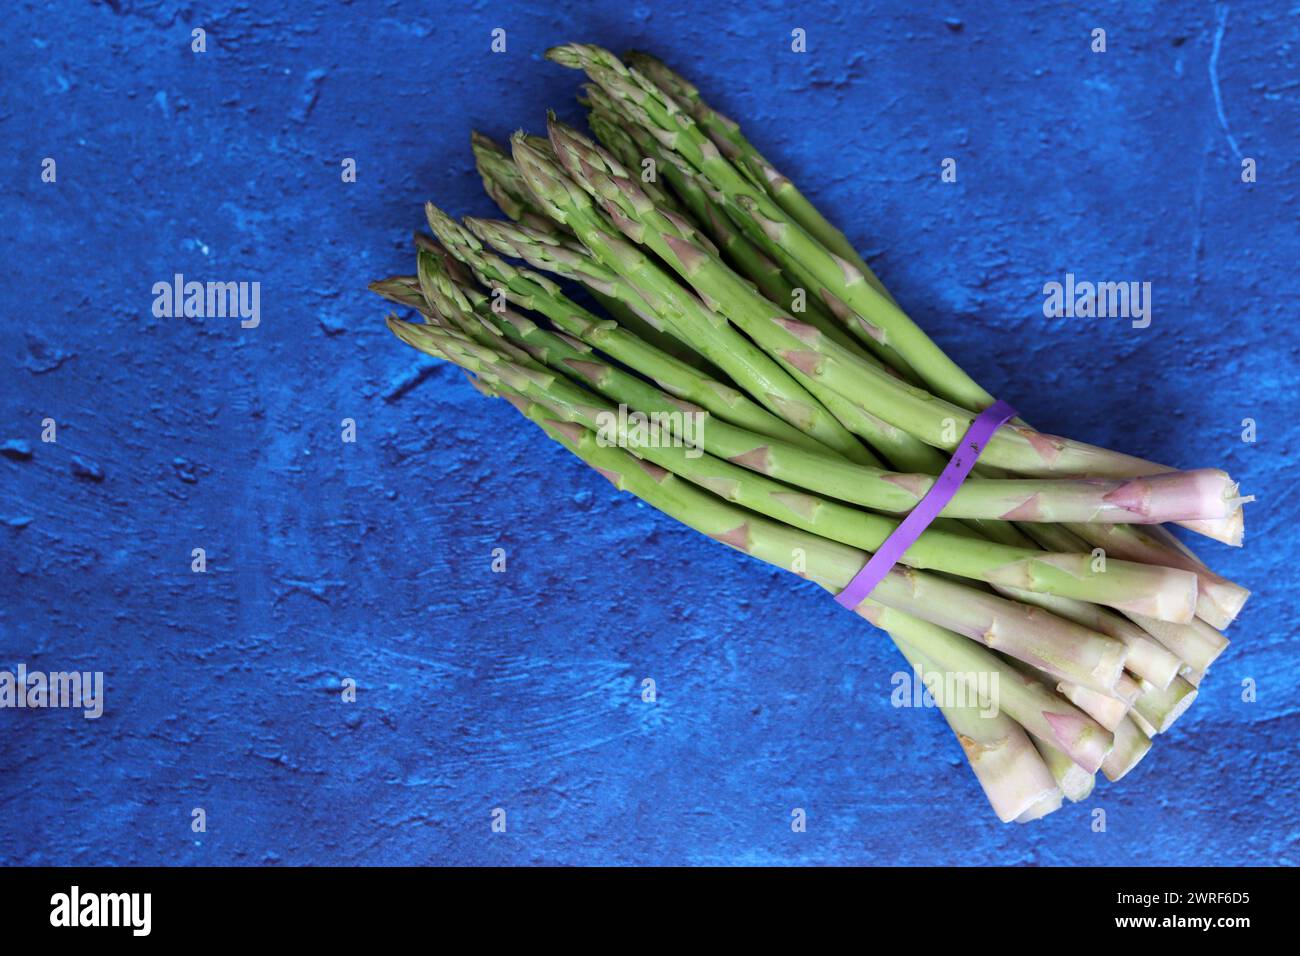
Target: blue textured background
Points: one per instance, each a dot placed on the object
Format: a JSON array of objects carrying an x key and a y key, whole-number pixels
[{"x": 371, "y": 560}]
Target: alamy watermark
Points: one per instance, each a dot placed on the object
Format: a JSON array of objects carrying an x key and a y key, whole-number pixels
[
  {"x": 1101, "y": 300},
  {"x": 36, "y": 689},
  {"x": 634, "y": 430},
  {"x": 191, "y": 300},
  {"x": 928, "y": 688},
  {"x": 133, "y": 911}
]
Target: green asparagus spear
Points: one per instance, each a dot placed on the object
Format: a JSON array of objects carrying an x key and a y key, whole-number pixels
[
  {"x": 746, "y": 364},
  {"x": 727, "y": 136}
]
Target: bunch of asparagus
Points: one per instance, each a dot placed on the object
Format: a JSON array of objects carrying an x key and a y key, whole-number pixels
[{"x": 823, "y": 414}]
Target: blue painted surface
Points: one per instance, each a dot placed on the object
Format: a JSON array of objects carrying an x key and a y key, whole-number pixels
[{"x": 371, "y": 560}]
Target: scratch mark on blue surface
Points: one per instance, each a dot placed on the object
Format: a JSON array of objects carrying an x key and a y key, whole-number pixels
[
  {"x": 410, "y": 379},
  {"x": 1214, "y": 78}
]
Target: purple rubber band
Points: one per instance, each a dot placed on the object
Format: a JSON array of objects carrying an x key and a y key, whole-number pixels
[{"x": 927, "y": 509}]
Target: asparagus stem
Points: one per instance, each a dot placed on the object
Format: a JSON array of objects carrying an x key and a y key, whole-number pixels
[
  {"x": 1049, "y": 803},
  {"x": 1196, "y": 643},
  {"x": 1160, "y": 708},
  {"x": 543, "y": 252},
  {"x": 1062, "y": 649},
  {"x": 1106, "y": 710},
  {"x": 908, "y": 347},
  {"x": 1147, "y": 657},
  {"x": 1128, "y": 688},
  {"x": 755, "y": 210},
  {"x": 1036, "y": 707},
  {"x": 729, "y": 139},
  {"x": 632, "y": 145},
  {"x": 1216, "y": 596},
  {"x": 1008, "y": 768},
  {"x": 842, "y": 407},
  {"x": 1219, "y": 600},
  {"x": 1142, "y": 723},
  {"x": 1131, "y": 745},
  {"x": 639, "y": 320},
  {"x": 893, "y": 443},
  {"x": 507, "y": 188},
  {"x": 807, "y": 468},
  {"x": 702, "y": 271},
  {"x": 533, "y": 291},
  {"x": 746, "y": 364},
  {"x": 1075, "y": 782},
  {"x": 816, "y": 358},
  {"x": 1167, "y": 592}
]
